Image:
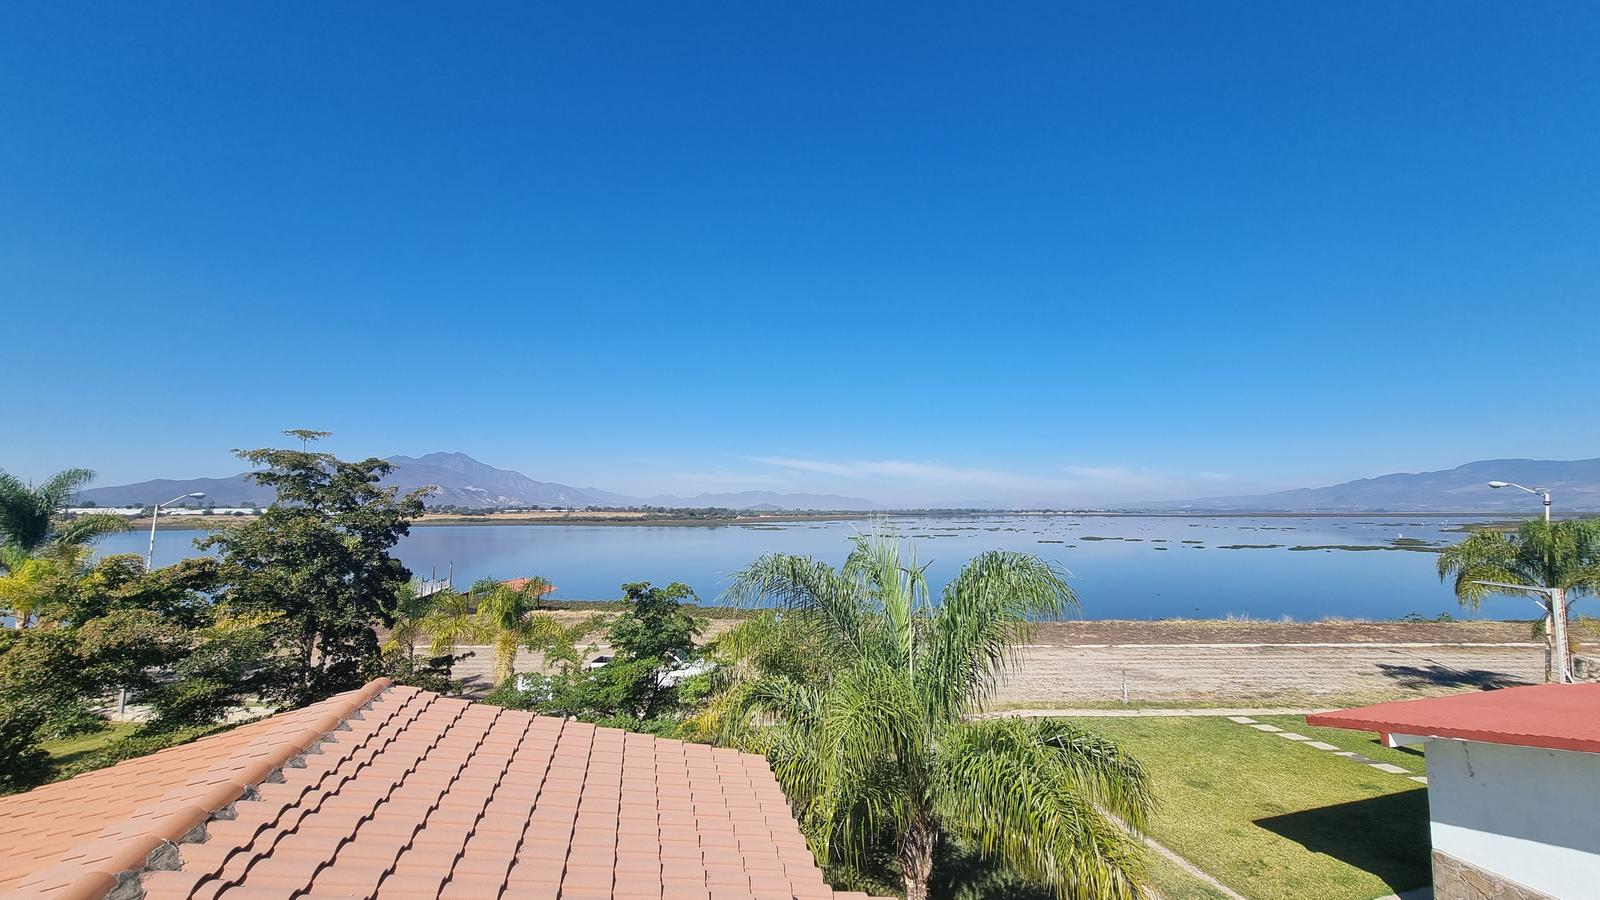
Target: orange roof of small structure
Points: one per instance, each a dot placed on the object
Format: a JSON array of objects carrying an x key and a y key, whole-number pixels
[
  {"x": 1551, "y": 716},
  {"x": 396, "y": 792},
  {"x": 517, "y": 584}
]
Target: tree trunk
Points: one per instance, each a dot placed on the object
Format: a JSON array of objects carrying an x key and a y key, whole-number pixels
[
  {"x": 1549, "y": 645},
  {"x": 916, "y": 858}
]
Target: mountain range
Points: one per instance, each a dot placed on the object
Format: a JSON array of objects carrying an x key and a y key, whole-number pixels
[
  {"x": 1574, "y": 484},
  {"x": 464, "y": 481},
  {"x": 461, "y": 480}
]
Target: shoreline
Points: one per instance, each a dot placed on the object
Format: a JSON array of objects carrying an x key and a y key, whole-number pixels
[{"x": 438, "y": 520}]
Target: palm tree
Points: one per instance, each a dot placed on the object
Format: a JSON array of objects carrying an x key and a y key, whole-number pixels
[
  {"x": 867, "y": 721},
  {"x": 1562, "y": 555},
  {"x": 30, "y": 517},
  {"x": 506, "y": 618}
]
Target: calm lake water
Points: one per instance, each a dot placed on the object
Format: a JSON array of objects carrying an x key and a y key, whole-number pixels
[{"x": 1121, "y": 567}]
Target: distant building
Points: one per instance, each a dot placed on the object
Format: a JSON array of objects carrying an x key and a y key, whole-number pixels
[
  {"x": 129, "y": 511},
  {"x": 1513, "y": 787},
  {"x": 215, "y": 511}
]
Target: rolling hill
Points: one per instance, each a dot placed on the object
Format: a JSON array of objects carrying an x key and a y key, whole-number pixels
[
  {"x": 461, "y": 481},
  {"x": 1575, "y": 486}
]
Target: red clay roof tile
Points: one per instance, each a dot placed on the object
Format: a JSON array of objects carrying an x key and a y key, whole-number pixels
[
  {"x": 1550, "y": 716},
  {"x": 398, "y": 793}
]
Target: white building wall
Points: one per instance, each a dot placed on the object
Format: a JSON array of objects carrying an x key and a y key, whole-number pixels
[{"x": 1529, "y": 815}]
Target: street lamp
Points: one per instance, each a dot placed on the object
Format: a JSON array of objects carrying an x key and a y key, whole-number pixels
[
  {"x": 150, "y": 557},
  {"x": 1542, "y": 492},
  {"x": 1556, "y": 612}
]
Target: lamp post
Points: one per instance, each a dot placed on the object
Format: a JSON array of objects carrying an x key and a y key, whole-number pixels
[
  {"x": 150, "y": 557},
  {"x": 1542, "y": 492},
  {"x": 1555, "y": 611}
]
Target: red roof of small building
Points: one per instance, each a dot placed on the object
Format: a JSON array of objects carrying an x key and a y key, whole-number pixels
[
  {"x": 399, "y": 793},
  {"x": 517, "y": 584},
  {"x": 1552, "y": 716}
]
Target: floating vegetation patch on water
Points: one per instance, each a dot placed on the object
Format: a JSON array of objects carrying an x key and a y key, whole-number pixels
[
  {"x": 1042, "y": 541},
  {"x": 1413, "y": 544},
  {"x": 1248, "y": 546},
  {"x": 1096, "y": 537},
  {"x": 1158, "y": 540},
  {"x": 765, "y": 527},
  {"x": 1194, "y": 542},
  {"x": 1158, "y": 548}
]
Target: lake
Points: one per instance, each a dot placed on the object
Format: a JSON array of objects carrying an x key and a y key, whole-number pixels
[{"x": 1122, "y": 567}]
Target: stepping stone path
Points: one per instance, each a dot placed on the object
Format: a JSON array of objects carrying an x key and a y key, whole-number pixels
[{"x": 1327, "y": 747}]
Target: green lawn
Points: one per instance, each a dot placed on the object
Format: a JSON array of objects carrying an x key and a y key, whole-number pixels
[
  {"x": 1273, "y": 819},
  {"x": 1173, "y": 883},
  {"x": 70, "y": 750}
]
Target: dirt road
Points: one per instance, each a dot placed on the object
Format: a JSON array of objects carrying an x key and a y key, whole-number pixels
[{"x": 1204, "y": 662}]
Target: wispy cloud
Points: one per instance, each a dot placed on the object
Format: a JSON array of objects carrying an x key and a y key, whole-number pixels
[
  {"x": 933, "y": 473},
  {"x": 932, "y": 481}
]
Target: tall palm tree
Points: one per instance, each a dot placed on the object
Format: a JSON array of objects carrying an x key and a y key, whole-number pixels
[
  {"x": 866, "y": 721},
  {"x": 30, "y": 517},
  {"x": 1564, "y": 555},
  {"x": 506, "y": 617}
]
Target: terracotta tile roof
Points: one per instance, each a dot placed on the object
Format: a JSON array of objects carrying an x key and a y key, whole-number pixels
[
  {"x": 397, "y": 793},
  {"x": 517, "y": 584},
  {"x": 1552, "y": 716}
]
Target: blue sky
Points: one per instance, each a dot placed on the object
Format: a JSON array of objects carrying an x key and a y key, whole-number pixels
[{"x": 918, "y": 253}]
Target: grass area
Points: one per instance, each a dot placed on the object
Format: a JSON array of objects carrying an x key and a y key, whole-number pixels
[
  {"x": 1272, "y": 819},
  {"x": 1362, "y": 742},
  {"x": 1172, "y": 883},
  {"x": 68, "y": 751}
]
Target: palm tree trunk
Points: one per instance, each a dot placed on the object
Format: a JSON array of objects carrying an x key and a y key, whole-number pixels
[
  {"x": 1549, "y": 645},
  {"x": 916, "y": 858},
  {"x": 505, "y": 661}
]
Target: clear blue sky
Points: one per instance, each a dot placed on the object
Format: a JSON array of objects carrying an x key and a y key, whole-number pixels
[{"x": 915, "y": 253}]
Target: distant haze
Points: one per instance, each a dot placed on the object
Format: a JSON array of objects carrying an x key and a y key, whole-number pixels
[
  {"x": 1575, "y": 486},
  {"x": 464, "y": 481}
]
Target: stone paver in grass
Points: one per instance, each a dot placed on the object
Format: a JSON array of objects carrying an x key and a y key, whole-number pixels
[
  {"x": 1390, "y": 768},
  {"x": 1242, "y": 720},
  {"x": 1321, "y": 745},
  {"x": 1420, "y": 779},
  {"x": 1289, "y": 735},
  {"x": 1266, "y": 727}
]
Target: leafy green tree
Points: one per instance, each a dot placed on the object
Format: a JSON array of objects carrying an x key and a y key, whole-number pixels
[
  {"x": 875, "y": 747},
  {"x": 318, "y": 560},
  {"x": 40, "y": 679},
  {"x": 1563, "y": 554},
  {"x": 656, "y": 625},
  {"x": 654, "y": 631}
]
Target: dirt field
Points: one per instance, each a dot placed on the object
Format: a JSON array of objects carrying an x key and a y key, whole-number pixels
[{"x": 1205, "y": 662}]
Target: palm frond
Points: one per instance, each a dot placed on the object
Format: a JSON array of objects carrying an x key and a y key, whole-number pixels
[
  {"x": 85, "y": 528},
  {"x": 805, "y": 587},
  {"x": 988, "y": 612},
  {"x": 1013, "y": 793}
]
